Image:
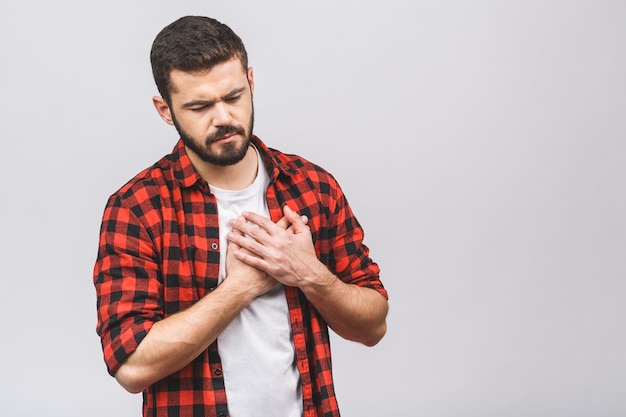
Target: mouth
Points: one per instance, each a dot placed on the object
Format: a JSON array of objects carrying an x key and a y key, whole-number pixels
[
  {"x": 226, "y": 138},
  {"x": 225, "y": 134}
]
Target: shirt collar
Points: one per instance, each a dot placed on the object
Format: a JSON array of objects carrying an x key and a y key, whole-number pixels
[{"x": 187, "y": 176}]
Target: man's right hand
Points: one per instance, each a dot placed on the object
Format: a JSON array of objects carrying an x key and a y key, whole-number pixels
[{"x": 247, "y": 276}]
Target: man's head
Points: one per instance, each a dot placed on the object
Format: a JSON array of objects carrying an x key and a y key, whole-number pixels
[
  {"x": 190, "y": 44},
  {"x": 201, "y": 70}
]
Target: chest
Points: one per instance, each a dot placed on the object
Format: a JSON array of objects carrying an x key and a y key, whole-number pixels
[{"x": 189, "y": 245}]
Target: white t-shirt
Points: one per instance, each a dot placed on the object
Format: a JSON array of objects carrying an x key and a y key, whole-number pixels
[{"x": 256, "y": 349}]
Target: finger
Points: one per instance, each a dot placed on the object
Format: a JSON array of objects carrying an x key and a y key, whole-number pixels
[
  {"x": 297, "y": 221},
  {"x": 283, "y": 223},
  {"x": 251, "y": 260},
  {"x": 304, "y": 219},
  {"x": 231, "y": 242},
  {"x": 251, "y": 246},
  {"x": 243, "y": 227},
  {"x": 263, "y": 222}
]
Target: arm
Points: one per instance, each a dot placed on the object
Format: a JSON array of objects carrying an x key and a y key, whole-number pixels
[
  {"x": 355, "y": 313},
  {"x": 128, "y": 306},
  {"x": 175, "y": 341}
]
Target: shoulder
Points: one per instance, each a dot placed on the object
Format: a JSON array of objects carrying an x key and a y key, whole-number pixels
[
  {"x": 300, "y": 169},
  {"x": 143, "y": 186},
  {"x": 157, "y": 182},
  {"x": 143, "y": 199}
]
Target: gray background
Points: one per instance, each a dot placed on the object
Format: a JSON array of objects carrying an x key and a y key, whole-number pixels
[{"x": 481, "y": 144}]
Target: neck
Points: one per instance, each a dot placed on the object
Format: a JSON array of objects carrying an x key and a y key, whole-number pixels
[{"x": 232, "y": 177}]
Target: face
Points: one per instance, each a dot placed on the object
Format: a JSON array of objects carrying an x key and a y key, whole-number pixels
[{"x": 212, "y": 111}]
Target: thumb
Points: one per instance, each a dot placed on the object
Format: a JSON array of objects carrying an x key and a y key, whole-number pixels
[{"x": 298, "y": 222}]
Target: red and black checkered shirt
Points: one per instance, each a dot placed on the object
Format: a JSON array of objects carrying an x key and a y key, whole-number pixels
[{"x": 159, "y": 253}]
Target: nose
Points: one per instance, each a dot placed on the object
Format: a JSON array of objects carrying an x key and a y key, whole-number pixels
[{"x": 221, "y": 115}]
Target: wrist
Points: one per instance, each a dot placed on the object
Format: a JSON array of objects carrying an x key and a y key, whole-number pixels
[
  {"x": 318, "y": 281},
  {"x": 234, "y": 287}
]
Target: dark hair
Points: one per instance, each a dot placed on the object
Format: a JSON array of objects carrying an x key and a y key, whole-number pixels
[{"x": 193, "y": 43}]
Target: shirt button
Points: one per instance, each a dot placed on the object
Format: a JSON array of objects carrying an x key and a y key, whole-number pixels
[
  {"x": 214, "y": 246},
  {"x": 218, "y": 372}
]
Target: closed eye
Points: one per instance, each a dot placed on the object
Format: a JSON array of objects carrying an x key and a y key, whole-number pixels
[
  {"x": 198, "y": 106},
  {"x": 232, "y": 99}
]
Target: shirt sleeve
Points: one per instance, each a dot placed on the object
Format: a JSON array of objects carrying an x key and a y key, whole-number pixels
[
  {"x": 350, "y": 255},
  {"x": 127, "y": 282}
]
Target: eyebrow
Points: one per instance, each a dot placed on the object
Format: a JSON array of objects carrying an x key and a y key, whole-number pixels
[{"x": 209, "y": 103}]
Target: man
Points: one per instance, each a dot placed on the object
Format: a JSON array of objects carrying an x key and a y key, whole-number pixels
[{"x": 221, "y": 266}]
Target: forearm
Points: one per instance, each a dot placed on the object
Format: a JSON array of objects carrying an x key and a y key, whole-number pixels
[
  {"x": 354, "y": 313},
  {"x": 175, "y": 341}
]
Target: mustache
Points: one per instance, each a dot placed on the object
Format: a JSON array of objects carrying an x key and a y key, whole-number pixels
[{"x": 223, "y": 131}]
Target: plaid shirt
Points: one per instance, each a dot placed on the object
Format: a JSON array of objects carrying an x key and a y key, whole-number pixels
[{"x": 159, "y": 253}]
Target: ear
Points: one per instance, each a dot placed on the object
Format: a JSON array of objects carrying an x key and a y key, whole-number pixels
[
  {"x": 251, "y": 79},
  {"x": 163, "y": 109}
]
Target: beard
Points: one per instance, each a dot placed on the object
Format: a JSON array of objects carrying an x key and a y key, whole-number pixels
[{"x": 230, "y": 154}]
